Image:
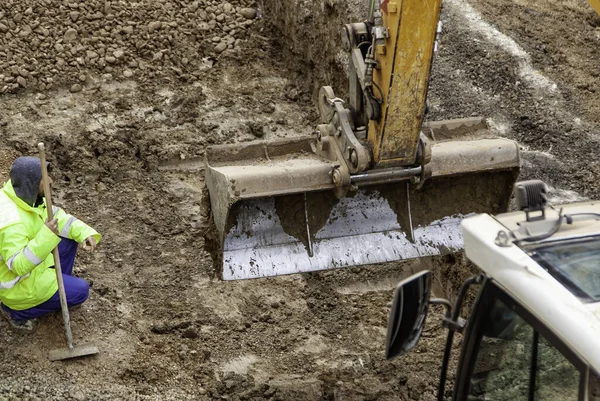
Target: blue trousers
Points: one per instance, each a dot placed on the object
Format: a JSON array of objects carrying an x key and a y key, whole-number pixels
[{"x": 76, "y": 289}]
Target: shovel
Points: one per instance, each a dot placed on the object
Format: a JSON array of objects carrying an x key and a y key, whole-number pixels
[{"x": 71, "y": 351}]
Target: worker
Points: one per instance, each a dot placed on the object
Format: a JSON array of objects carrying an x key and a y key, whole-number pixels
[{"x": 28, "y": 286}]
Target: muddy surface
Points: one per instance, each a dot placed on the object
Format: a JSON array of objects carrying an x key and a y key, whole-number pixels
[{"x": 126, "y": 128}]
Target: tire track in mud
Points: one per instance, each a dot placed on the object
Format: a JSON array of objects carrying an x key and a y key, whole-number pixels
[{"x": 501, "y": 79}]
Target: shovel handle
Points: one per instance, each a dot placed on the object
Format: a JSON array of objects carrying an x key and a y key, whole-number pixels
[{"x": 57, "y": 268}]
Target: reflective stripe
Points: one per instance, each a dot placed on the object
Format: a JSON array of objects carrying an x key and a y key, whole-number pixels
[
  {"x": 67, "y": 227},
  {"x": 31, "y": 256},
  {"x": 10, "y": 260},
  {"x": 10, "y": 284},
  {"x": 10, "y": 212},
  {"x": 55, "y": 210}
]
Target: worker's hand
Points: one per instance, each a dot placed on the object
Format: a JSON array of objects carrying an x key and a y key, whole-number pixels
[
  {"x": 89, "y": 244},
  {"x": 52, "y": 225}
]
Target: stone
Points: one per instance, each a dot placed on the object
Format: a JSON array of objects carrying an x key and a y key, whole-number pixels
[
  {"x": 74, "y": 15},
  {"x": 25, "y": 31},
  {"x": 3, "y": 28},
  {"x": 76, "y": 88},
  {"x": 154, "y": 26},
  {"x": 248, "y": 13},
  {"x": 127, "y": 73},
  {"x": 221, "y": 47},
  {"x": 21, "y": 81},
  {"x": 70, "y": 35},
  {"x": 42, "y": 31},
  {"x": 110, "y": 59},
  {"x": 78, "y": 395}
]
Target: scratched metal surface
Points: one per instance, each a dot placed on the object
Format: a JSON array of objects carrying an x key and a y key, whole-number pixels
[{"x": 361, "y": 230}]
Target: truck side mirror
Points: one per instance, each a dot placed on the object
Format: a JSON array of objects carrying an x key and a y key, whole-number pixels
[{"x": 408, "y": 314}]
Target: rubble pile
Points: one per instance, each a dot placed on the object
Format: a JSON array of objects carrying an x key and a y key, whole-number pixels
[{"x": 49, "y": 43}]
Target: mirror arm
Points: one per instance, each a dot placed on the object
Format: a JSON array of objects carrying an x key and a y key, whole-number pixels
[
  {"x": 447, "y": 305},
  {"x": 447, "y": 321}
]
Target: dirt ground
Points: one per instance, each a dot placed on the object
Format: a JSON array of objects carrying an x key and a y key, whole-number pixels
[{"x": 127, "y": 104}]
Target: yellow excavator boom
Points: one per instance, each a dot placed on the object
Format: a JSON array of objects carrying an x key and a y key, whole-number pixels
[{"x": 402, "y": 78}]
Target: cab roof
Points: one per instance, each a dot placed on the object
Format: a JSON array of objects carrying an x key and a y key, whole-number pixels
[{"x": 512, "y": 265}]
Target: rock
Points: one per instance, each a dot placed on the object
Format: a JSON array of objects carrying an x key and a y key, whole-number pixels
[
  {"x": 227, "y": 8},
  {"x": 128, "y": 30},
  {"x": 118, "y": 53},
  {"x": 3, "y": 28},
  {"x": 76, "y": 88},
  {"x": 42, "y": 31},
  {"x": 70, "y": 35},
  {"x": 21, "y": 81},
  {"x": 110, "y": 59},
  {"x": 25, "y": 31},
  {"x": 256, "y": 129},
  {"x": 96, "y": 16},
  {"x": 74, "y": 15},
  {"x": 248, "y": 13},
  {"x": 221, "y": 47},
  {"x": 154, "y": 26},
  {"x": 191, "y": 332},
  {"x": 127, "y": 73},
  {"x": 78, "y": 395},
  {"x": 82, "y": 77},
  {"x": 201, "y": 391}
]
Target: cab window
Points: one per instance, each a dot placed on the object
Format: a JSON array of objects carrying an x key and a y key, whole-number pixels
[
  {"x": 594, "y": 387},
  {"x": 511, "y": 358}
]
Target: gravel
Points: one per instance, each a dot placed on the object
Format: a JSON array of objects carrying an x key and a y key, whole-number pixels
[{"x": 49, "y": 43}]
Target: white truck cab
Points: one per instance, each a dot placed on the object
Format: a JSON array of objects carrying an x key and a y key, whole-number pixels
[{"x": 534, "y": 330}]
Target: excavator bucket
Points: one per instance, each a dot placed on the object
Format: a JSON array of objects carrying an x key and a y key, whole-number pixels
[{"x": 276, "y": 210}]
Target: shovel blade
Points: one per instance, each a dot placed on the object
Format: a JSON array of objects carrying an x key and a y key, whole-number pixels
[
  {"x": 75, "y": 352},
  {"x": 276, "y": 211},
  {"x": 307, "y": 232}
]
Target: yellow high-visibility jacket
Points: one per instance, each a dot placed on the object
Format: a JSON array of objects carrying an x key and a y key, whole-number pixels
[{"x": 26, "y": 244}]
